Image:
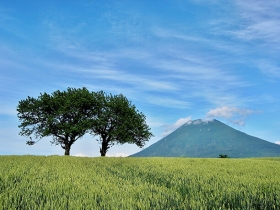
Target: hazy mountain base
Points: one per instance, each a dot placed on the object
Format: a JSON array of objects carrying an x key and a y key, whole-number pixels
[{"x": 209, "y": 139}]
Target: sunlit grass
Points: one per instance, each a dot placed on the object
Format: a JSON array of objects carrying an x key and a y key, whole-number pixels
[{"x": 37, "y": 182}]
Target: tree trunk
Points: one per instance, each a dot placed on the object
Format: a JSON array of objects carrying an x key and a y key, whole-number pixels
[
  {"x": 104, "y": 148},
  {"x": 67, "y": 149},
  {"x": 103, "y": 153}
]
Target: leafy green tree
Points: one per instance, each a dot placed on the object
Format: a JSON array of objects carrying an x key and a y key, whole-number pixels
[
  {"x": 118, "y": 121},
  {"x": 64, "y": 115}
]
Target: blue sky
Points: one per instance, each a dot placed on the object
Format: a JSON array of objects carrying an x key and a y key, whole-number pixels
[{"x": 175, "y": 60}]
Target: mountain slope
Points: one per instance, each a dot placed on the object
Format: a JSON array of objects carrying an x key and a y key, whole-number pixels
[{"x": 209, "y": 139}]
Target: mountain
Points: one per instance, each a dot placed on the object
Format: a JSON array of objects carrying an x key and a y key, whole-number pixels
[{"x": 200, "y": 138}]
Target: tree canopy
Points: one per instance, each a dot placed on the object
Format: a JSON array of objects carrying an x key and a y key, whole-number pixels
[
  {"x": 68, "y": 115},
  {"x": 64, "y": 115},
  {"x": 118, "y": 121}
]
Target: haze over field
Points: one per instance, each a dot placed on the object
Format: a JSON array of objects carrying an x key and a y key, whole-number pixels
[{"x": 175, "y": 60}]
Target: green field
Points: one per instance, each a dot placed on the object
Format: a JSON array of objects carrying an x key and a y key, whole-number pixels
[{"x": 54, "y": 182}]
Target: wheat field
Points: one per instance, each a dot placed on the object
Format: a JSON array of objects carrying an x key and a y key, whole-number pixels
[{"x": 61, "y": 182}]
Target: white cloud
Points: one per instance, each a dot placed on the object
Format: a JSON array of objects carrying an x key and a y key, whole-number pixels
[
  {"x": 169, "y": 128},
  {"x": 228, "y": 112},
  {"x": 205, "y": 121},
  {"x": 233, "y": 114},
  {"x": 118, "y": 155},
  {"x": 277, "y": 142},
  {"x": 80, "y": 155}
]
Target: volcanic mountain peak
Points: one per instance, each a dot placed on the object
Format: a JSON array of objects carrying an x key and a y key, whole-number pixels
[{"x": 209, "y": 138}]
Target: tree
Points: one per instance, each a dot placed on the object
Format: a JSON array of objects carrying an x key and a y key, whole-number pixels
[
  {"x": 66, "y": 116},
  {"x": 118, "y": 121},
  {"x": 223, "y": 156}
]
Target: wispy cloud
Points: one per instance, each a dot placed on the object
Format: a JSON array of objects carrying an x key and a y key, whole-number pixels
[
  {"x": 126, "y": 23},
  {"x": 5, "y": 17},
  {"x": 269, "y": 68},
  {"x": 118, "y": 155},
  {"x": 109, "y": 73},
  {"x": 143, "y": 82},
  {"x": 205, "y": 76},
  {"x": 169, "y": 128},
  {"x": 233, "y": 114},
  {"x": 167, "y": 68},
  {"x": 80, "y": 155},
  {"x": 169, "y": 102},
  {"x": 260, "y": 21},
  {"x": 7, "y": 109},
  {"x": 202, "y": 40},
  {"x": 228, "y": 112},
  {"x": 260, "y": 26}
]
